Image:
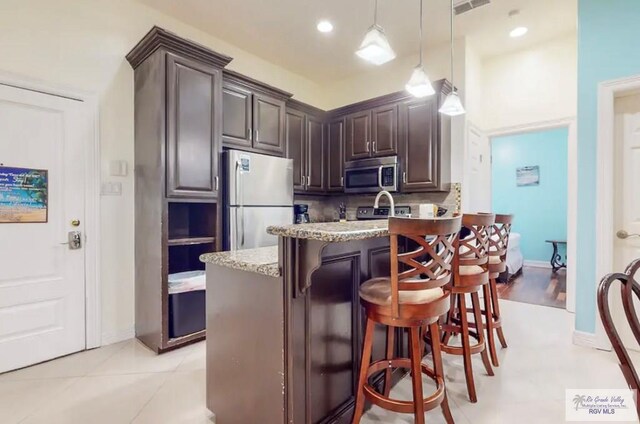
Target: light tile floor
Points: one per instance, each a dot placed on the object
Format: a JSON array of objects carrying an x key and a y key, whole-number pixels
[{"x": 127, "y": 383}]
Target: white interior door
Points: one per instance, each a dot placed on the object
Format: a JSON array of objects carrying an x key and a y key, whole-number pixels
[
  {"x": 42, "y": 281},
  {"x": 627, "y": 200},
  {"x": 478, "y": 172}
]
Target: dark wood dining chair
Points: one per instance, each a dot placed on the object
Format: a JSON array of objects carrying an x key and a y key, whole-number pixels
[
  {"x": 414, "y": 296},
  {"x": 471, "y": 274},
  {"x": 498, "y": 247},
  {"x": 629, "y": 287}
]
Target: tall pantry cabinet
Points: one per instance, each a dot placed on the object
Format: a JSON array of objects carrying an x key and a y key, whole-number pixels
[{"x": 178, "y": 141}]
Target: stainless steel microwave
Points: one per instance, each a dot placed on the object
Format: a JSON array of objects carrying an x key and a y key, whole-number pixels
[{"x": 371, "y": 175}]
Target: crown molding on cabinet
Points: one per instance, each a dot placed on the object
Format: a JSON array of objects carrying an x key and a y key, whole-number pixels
[
  {"x": 254, "y": 84},
  {"x": 160, "y": 38}
]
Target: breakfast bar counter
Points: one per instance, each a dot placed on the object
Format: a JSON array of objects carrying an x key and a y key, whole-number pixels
[{"x": 284, "y": 324}]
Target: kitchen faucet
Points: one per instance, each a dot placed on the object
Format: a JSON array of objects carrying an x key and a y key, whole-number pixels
[{"x": 392, "y": 210}]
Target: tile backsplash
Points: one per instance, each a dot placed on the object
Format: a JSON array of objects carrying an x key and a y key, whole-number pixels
[{"x": 325, "y": 208}]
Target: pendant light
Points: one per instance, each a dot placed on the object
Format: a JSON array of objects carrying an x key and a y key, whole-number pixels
[
  {"x": 419, "y": 84},
  {"x": 452, "y": 106},
  {"x": 375, "y": 47}
]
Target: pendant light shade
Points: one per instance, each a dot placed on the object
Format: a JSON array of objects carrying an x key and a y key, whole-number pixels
[
  {"x": 375, "y": 47},
  {"x": 452, "y": 106},
  {"x": 419, "y": 84}
]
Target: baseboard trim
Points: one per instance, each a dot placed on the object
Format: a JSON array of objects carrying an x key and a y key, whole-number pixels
[
  {"x": 581, "y": 338},
  {"x": 111, "y": 337},
  {"x": 537, "y": 264}
]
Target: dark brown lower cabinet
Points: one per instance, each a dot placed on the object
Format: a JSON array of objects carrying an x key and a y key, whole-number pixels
[
  {"x": 326, "y": 328},
  {"x": 307, "y": 327}
]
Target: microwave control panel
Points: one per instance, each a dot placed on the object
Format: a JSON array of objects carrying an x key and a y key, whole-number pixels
[{"x": 388, "y": 177}]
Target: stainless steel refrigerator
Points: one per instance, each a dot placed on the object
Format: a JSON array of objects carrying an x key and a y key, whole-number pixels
[{"x": 258, "y": 193}]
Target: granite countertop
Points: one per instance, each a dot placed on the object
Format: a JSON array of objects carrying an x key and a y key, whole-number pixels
[
  {"x": 333, "y": 231},
  {"x": 262, "y": 260}
]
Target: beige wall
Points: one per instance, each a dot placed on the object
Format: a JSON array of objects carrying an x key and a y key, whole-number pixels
[
  {"x": 393, "y": 76},
  {"x": 82, "y": 45},
  {"x": 532, "y": 85}
]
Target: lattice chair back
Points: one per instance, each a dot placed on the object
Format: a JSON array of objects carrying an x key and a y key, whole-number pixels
[
  {"x": 629, "y": 287},
  {"x": 474, "y": 242},
  {"x": 430, "y": 265},
  {"x": 499, "y": 239}
]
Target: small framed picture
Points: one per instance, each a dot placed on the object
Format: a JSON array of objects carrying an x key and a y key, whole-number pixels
[{"x": 528, "y": 176}]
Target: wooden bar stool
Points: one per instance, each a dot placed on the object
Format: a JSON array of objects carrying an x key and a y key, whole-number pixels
[
  {"x": 498, "y": 246},
  {"x": 471, "y": 273},
  {"x": 413, "y": 297}
]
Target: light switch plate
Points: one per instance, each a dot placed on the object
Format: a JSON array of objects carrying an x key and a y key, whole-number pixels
[
  {"x": 118, "y": 168},
  {"x": 111, "y": 189}
]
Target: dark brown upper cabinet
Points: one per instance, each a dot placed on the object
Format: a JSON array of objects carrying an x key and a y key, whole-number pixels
[
  {"x": 315, "y": 155},
  {"x": 358, "y": 144},
  {"x": 236, "y": 116},
  {"x": 335, "y": 155},
  {"x": 295, "y": 128},
  {"x": 425, "y": 146},
  {"x": 193, "y": 99},
  {"x": 384, "y": 130},
  {"x": 268, "y": 124},
  {"x": 372, "y": 132},
  {"x": 253, "y": 115},
  {"x": 306, "y": 145}
]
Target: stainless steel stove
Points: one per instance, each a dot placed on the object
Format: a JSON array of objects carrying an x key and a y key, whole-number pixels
[{"x": 369, "y": 212}]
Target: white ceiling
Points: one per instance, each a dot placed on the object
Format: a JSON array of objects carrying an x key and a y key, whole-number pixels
[{"x": 284, "y": 31}]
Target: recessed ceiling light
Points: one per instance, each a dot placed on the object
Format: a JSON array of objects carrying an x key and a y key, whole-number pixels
[
  {"x": 518, "y": 32},
  {"x": 325, "y": 26}
]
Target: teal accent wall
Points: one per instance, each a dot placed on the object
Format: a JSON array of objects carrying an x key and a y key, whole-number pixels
[
  {"x": 540, "y": 211},
  {"x": 607, "y": 49}
]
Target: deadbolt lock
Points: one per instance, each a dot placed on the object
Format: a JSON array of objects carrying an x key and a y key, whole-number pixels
[{"x": 75, "y": 222}]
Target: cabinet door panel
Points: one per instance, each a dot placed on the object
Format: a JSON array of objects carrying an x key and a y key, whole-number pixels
[
  {"x": 335, "y": 155},
  {"x": 419, "y": 146},
  {"x": 358, "y": 135},
  {"x": 192, "y": 148},
  {"x": 236, "y": 116},
  {"x": 295, "y": 139},
  {"x": 268, "y": 117},
  {"x": 384, "y": 131},
  {"x": 315, "y": 155}
]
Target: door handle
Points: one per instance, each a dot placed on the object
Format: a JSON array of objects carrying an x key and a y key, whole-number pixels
[
  {"x": 250, "y": 134},
  {"x": 302, "y": 180},
  {"x": 75, "y": 240},
  {"x": 404, "y": 177},
  {"x": 373, "y": 143},
  {"x": 622, "y": 234},
  {"x": 368, "y": 147},
  {"x": 341, "y": 181},
  {"x": 217, "y": 182}
]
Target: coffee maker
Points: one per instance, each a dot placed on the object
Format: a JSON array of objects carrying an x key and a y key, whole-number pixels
[{"x": 301, "y": 214}]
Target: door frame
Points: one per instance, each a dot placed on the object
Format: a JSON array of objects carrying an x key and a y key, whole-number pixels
[
  {"x": 572, "y": 189},
  {"x": 93, "y": 305},
  {"x": 605, "y": 226}
]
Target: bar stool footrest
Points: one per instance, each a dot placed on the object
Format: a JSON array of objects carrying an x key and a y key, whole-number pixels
[{"x": 402, "y": 406}]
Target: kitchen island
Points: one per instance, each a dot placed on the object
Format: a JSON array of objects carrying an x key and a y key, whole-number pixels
[{"x": 284, "y": 323}]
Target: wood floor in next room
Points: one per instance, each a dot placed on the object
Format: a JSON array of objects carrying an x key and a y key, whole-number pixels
[
  {"x": 539, "y": 286},
  {"x": 127, "y": 383}
]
